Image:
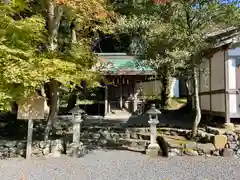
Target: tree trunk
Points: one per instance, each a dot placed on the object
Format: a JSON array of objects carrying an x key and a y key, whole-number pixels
[
  {"x": 14, "y": 108},
  {"x": 73, "y": 95},
  {"x": 189, "y": 89},
  {"x": 197, "y": 103},
  {"x": 74, "y": 36},
  {"x": 46, "y": 107},
  {"x": 166, "y": 90},
  {"x": 72, "y": 100},
  {"x": 187, "y": 85},
  {"x": 53, "y": 98},
  {"x": 54, "y": 17}
]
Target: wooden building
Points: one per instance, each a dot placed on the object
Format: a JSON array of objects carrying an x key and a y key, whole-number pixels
[
  {"x": 122, "y": 73},
  {"x": 219, "y": 77}
]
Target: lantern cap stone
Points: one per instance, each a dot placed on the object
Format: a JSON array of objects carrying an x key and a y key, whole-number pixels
[
  {"x": 153, "y": 110},
  {"x": 76, "y": 110}
]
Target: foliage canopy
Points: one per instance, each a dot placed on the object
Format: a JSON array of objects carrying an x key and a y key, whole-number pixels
[{"x": 25, "y": 62}]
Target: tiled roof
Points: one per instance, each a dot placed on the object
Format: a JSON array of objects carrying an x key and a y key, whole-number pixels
[{"x": 122, "y": 64}]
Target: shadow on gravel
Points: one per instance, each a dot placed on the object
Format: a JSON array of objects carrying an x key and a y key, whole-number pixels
[{"x": 181, "y": 118}]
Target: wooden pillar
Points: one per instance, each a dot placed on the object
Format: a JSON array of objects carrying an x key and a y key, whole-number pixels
[
  {"x": 29, "y": 139},
  {"x": 121, "y": 98},
  {"x": 106, "y": 100},
  {"x": 199, "y": 86},
  {"x": 226, "y": 73},
  {"x": 210, "y": 85}
]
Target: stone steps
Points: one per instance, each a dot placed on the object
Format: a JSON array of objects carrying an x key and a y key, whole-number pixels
[
  {"x": 176, "y": 143},
  {"x": 134, "y": 144},
  {"x": 134, "y": 149},
  {"x": 118, "y": 114}
]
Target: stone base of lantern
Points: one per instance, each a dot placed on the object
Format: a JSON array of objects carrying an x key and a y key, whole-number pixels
[
  {"x": 56, "y": 148},
  {"x": 75, "y": 150},
  {"x": 153, "y": 150},
  {"x": 56, "y": 153}
]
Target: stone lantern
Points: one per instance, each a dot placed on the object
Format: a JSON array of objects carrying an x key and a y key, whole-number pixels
[
  {"x": 76, "y": 120},
  {"x": 153, "y": 147}
]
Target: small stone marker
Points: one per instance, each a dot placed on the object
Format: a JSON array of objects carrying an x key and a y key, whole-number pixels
[
  {"x": 228, "y": 153},
  {"x": 31, "y": 109},
  {"x": 220, "y": 141}
]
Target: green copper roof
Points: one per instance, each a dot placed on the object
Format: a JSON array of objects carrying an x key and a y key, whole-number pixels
[{"x": 122, "y": 64}]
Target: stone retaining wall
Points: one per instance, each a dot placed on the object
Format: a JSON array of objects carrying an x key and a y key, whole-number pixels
[
  {"x": 207, "y": 142},
  {"x": 129, "y": 138},
  {"x": 11, "y": 149},
  {"x": 109, "y": 136}
]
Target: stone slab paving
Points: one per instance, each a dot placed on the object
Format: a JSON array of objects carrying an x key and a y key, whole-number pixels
[{"x": 121, "y": 165}]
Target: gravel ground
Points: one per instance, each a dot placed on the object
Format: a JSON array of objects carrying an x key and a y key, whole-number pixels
[{"x": 121, "y": 165}]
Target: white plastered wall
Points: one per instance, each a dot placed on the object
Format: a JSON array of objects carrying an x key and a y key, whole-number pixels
[
  {"x": 217, "y": 81},
  {"x": 204, "y": 84}
]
